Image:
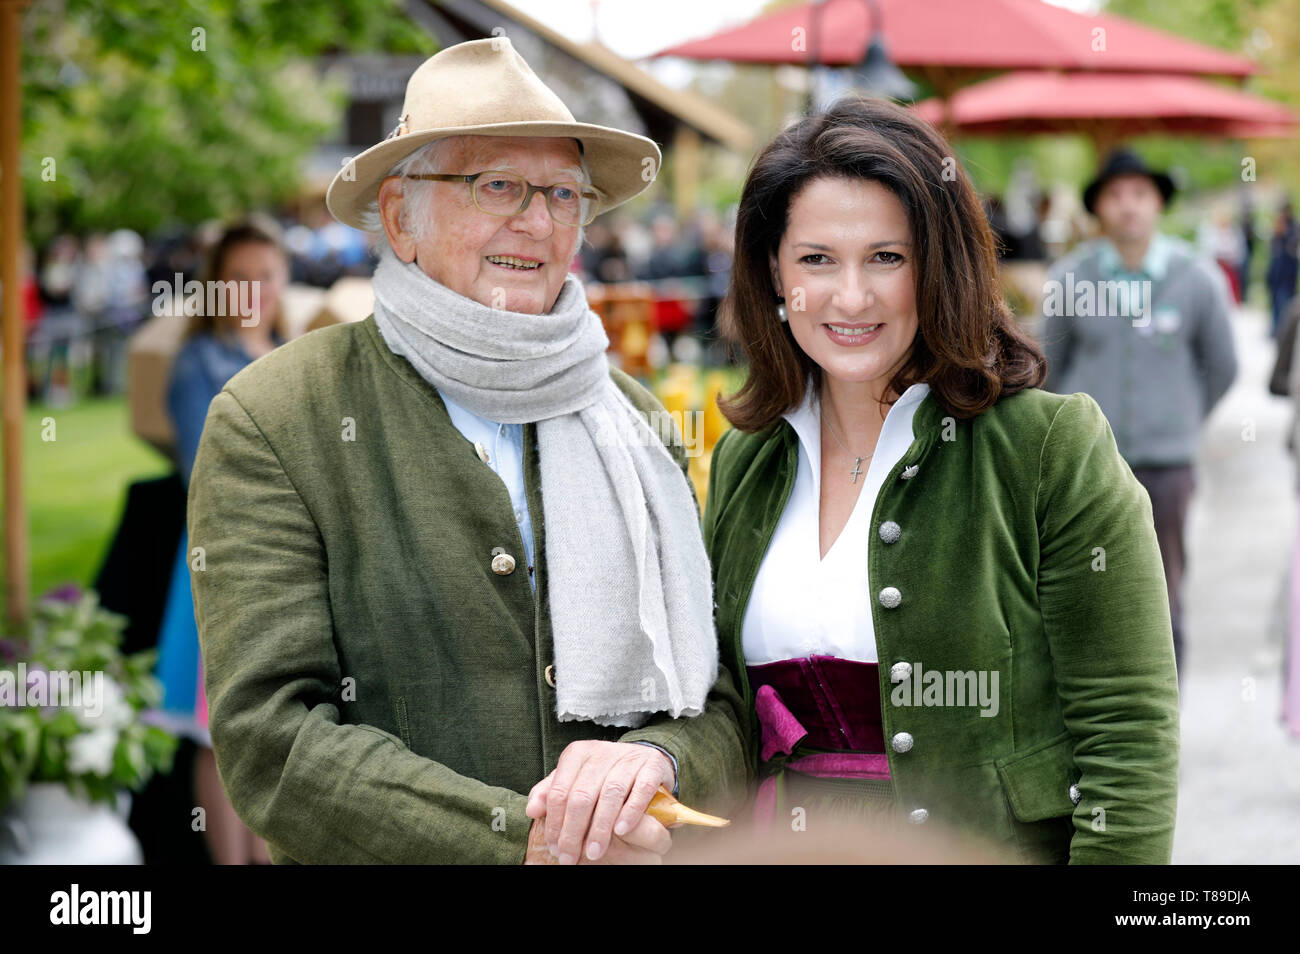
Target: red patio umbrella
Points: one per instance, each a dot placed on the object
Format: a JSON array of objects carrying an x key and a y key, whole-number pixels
[
  {"x": 1108, "y": 107},
  {"x": 976, "y": 35},
  {"x": 954, "y": 42}
]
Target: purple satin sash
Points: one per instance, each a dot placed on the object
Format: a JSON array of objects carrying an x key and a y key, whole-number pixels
[{"x": 819, "y": 702}]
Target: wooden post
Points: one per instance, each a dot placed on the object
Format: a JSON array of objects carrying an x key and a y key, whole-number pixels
[
  {"x": 686, "y": 171},
  {"x": 11, "y": 243}
]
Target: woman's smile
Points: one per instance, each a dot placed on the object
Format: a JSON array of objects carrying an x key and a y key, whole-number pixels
[{"x": 852, "y": 335}]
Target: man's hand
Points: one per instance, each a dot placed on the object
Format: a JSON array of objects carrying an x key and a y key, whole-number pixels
[
  {"x": 600, "y": 790},
  {"x": 645, "y": 844}
]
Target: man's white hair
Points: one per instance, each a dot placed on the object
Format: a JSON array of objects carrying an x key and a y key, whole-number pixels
[{"x": 417, "y": 204}]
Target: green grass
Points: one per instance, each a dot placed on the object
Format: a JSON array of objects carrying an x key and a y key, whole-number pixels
[{"x": 75, "y": 486}]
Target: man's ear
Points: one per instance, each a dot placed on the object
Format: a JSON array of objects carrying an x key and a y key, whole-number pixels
[{"x": 391, "y": 200}]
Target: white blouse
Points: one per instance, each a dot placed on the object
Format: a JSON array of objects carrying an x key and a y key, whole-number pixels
[{"x": 801, "y": 604}]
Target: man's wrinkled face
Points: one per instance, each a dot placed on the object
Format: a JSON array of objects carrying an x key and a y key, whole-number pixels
[
  {"x": 1128, "y": 208},
  {"x": 518, "y": 262}
]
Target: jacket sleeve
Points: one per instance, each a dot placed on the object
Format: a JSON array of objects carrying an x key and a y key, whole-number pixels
[
  {"x": 1212, "y": 344},
  {"x": 1105, "y": 613},
  {"x": 319, "y": 791},
  {"x": 710, "y": 749}
]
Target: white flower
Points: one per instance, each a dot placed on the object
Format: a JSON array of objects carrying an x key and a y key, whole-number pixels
[
  {"x": 103, "y": 705},
  {"x": 92, "y": 752}
]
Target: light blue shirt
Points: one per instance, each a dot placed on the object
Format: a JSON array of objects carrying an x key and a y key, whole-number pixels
[
  {"x": 1155, "y": 264},
  {"x": 504, "y": 444}
]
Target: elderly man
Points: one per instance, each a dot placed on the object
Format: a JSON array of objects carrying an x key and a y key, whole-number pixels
[{"x": 452, "y": 596}]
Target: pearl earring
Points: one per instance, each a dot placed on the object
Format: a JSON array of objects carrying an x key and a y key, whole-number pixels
[{"x": 780, "y": 310}]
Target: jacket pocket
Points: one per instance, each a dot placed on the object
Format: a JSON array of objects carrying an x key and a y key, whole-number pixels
[
  {"x": 1036, "y": 784},
  {"x": 1037, "y": 781}
]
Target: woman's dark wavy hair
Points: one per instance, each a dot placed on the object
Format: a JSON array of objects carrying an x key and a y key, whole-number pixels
[{"x": 968, "y": 345}]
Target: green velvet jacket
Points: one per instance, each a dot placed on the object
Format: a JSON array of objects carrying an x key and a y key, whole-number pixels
[
  {"x": 1027, "y": 548},
  {"x": 377, "y": 693}
]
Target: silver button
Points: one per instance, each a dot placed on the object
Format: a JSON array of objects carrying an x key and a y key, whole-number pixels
[
  {"x": 890, "y": 597},
  {"x": 550, "y": 676},
  {"x": 910, "y": 471},
  {"x": 503, "y": 564},
  {"x": 918, "y": 816},
  {"x": 901, "y": 742},
  {"x": 890, "y": 531},
  {"x": 900, "y": 671},
  {"x": 1075, "y": 794}
]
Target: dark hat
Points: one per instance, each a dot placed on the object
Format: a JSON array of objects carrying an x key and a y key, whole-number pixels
[{"x": 1125, "y": 162}]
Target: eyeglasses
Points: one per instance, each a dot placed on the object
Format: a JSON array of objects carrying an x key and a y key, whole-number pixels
[{"x": 506, "y": 194}]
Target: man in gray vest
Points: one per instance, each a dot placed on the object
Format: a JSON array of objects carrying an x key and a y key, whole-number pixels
[{"x": 1139, "y": 322}]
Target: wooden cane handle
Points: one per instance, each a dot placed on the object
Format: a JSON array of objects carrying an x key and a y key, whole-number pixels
[{"x": 668, "y": 811}]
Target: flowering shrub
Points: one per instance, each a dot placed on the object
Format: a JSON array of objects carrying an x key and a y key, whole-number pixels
[{"x": 71, "y": 703}]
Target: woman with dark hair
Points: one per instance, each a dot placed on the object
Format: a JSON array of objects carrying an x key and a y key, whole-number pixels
[
  {"x": 247, "y": 266},
  {"x": 940, "y": 584}
]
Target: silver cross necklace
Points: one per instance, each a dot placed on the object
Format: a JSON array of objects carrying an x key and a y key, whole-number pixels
[{"x": 857, "y": 461}]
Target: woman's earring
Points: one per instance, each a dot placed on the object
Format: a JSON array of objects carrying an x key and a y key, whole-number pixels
[{"x": 780, "y": 310}]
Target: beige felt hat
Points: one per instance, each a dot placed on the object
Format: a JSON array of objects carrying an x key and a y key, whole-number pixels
[{"x": 484, "y": 88}]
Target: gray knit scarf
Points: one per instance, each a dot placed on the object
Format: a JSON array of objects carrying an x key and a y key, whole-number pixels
[{"x": 630, "y": 590}]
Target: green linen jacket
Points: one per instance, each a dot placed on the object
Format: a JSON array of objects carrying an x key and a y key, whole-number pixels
[
  {"x": 1027, "y": 548},
  {"x": 377, "y": 693}
]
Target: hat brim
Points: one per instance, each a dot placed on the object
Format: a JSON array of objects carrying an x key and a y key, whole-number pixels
[
  {"x": 622, "y": 164},
  {"x": 1162, "y": 181}
]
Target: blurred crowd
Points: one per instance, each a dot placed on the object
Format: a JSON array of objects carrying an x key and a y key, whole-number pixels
[{"x": 84, "y": 296}]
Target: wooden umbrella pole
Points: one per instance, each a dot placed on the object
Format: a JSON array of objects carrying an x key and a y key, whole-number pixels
[{"x": 11, "y": 237}]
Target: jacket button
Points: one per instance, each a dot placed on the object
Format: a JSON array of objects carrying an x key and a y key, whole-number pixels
[
  {"x": 1075, "y": 794},
  {"x": 890, "y": 531},
  {"x": 482, "y": 452},
  {"x": 550, "y": 675},
  {"x": 918, "y": 816},
  {"x": 900, "y": 671},
  {"x": 901, "y": 742},
  {"x": 503, "y": 564},
  {"x": 909, "y": 472},
  {"x": 890, "y": 597}
]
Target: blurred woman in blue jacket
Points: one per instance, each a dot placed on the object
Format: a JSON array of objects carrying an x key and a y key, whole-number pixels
[{"x": 249, "y": 253}]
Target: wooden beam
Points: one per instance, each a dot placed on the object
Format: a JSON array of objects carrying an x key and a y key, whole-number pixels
[{"x": 17, "y": 579}]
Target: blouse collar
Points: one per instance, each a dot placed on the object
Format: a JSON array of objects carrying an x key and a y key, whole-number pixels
[{"x": 806, "y": 421}]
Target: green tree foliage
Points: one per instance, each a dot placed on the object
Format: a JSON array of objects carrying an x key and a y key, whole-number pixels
[{"x": 146, "y": 113}]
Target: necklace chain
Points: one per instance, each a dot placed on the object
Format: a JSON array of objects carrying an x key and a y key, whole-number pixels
[{"x": 856, "y": 470}]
